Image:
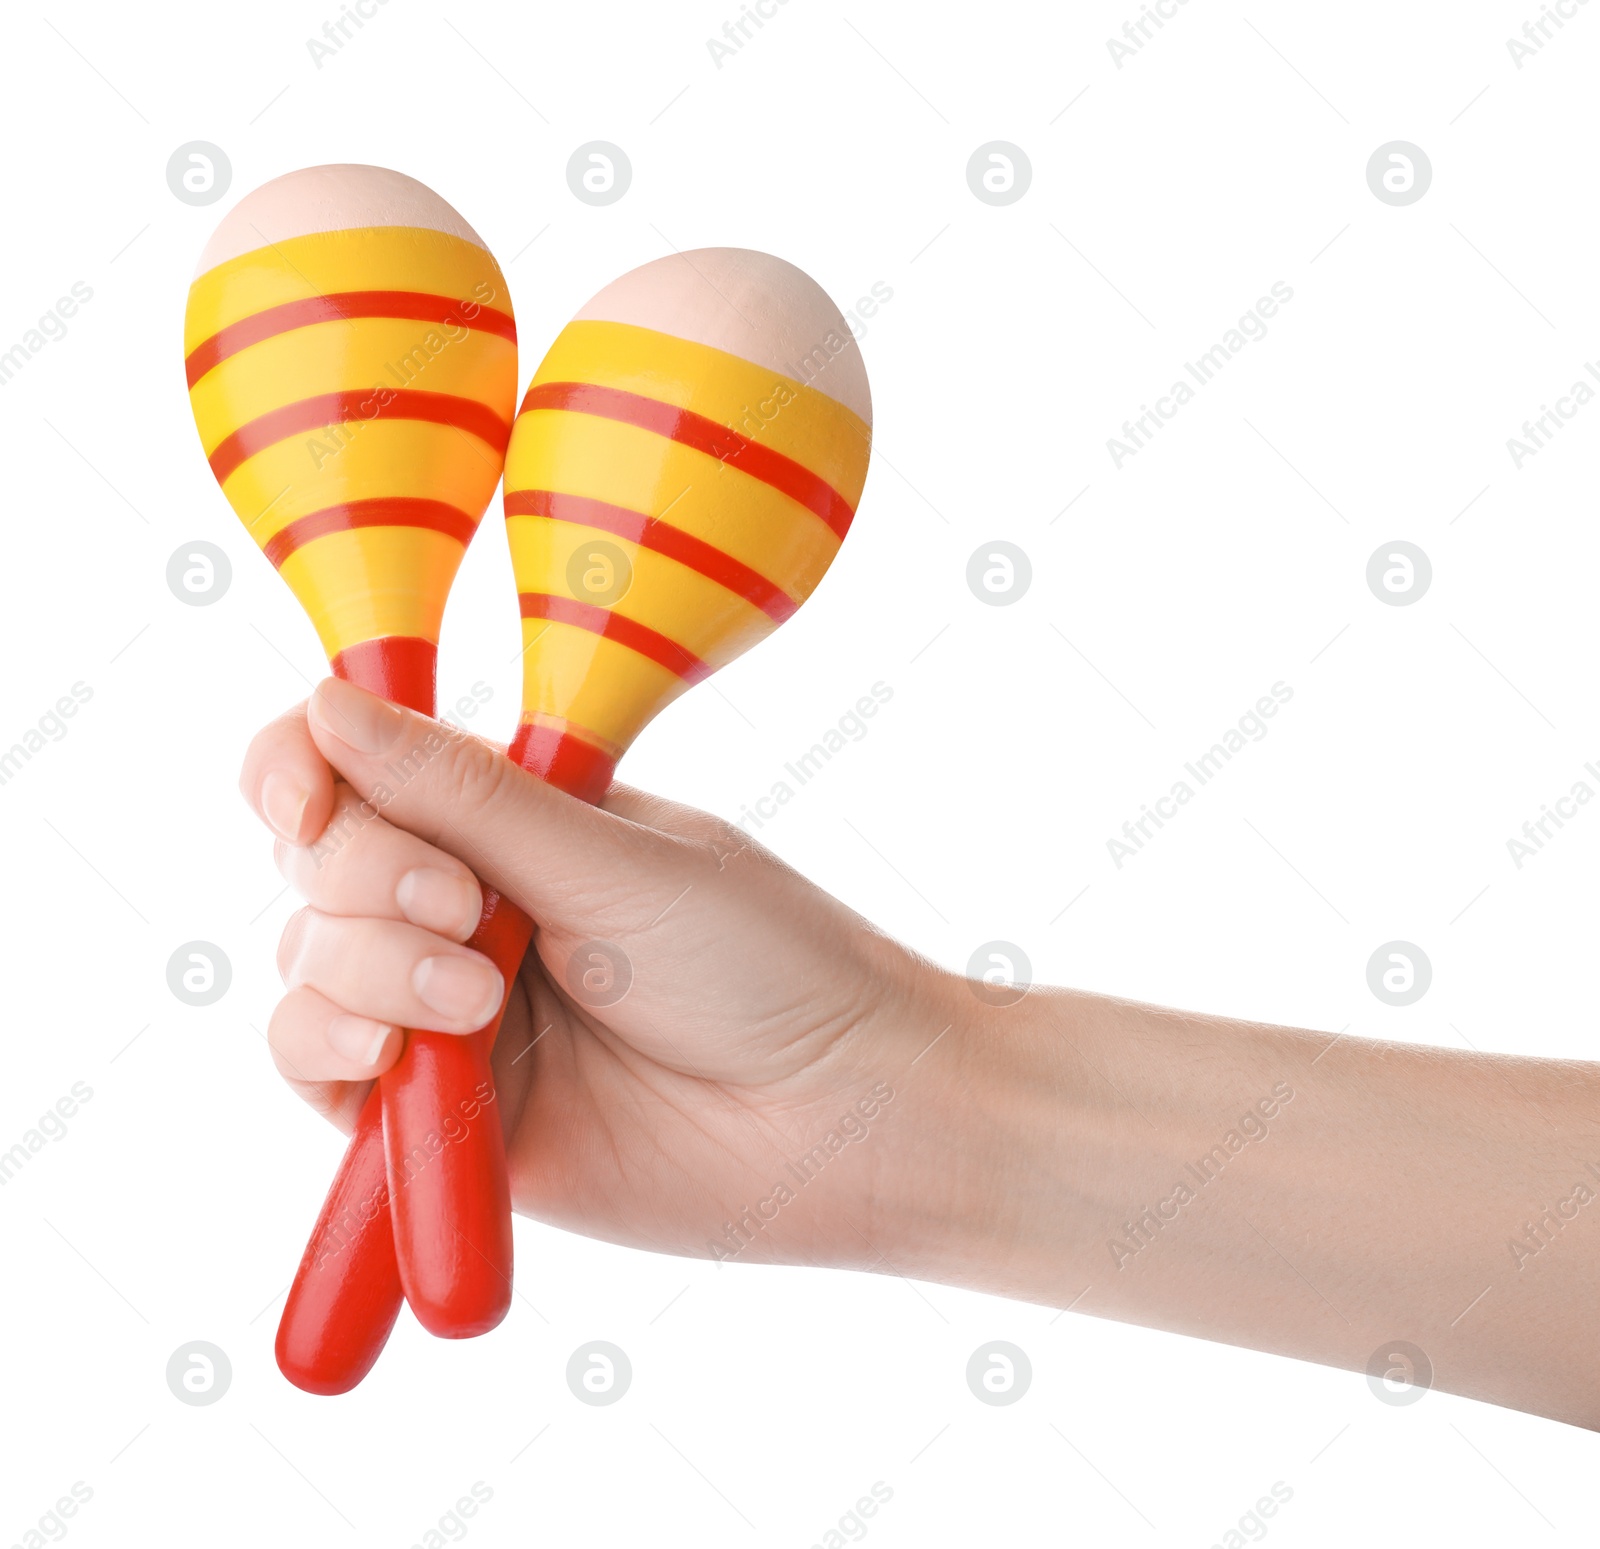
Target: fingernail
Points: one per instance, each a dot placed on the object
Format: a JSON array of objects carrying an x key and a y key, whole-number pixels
[
  {"x": 368, "y": 724},
  {"x": 461, "y": 989},
  {"x": 358, "y": 1038},
  {"x": 439, "y": 901},
  {"x": 283, "y": 804}
]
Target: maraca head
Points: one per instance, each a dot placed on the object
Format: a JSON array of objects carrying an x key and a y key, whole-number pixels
[
  {"x": 682, "y": 471},
  {"x": 352, "y": 367}
]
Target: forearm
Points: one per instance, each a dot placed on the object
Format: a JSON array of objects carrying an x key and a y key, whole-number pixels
[{"x": 1284, "y": 1190}]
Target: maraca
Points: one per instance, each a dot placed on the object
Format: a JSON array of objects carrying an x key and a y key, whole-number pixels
[
  {"x": 351, "y": 359},
  {"x": 674, "y": 491}
]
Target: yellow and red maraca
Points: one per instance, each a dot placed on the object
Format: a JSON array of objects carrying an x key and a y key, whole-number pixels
[
  {"x": 676, "y": 485},
  {"x": 351, "y": 359}
]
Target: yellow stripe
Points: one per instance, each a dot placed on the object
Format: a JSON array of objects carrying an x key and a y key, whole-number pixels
[
  {"x": 361, "y": 461},
  {"x": 373, "y": 581},
  {"x": 764, "y": 405},
  {"x": 604, "y": 688},
  {"x": 325, "y": 263},
  {"x": 352, "y": 356},
  {"x": 581, "y": 454},
  {"x": 706, "y": 619}
]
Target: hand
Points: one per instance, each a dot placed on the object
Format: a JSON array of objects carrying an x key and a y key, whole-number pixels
[
  {"x": 781, "y": 1082},
  {"x": 695, "y": 1038}
]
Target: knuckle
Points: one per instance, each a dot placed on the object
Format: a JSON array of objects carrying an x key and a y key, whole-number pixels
[
  {"x": 477, "y": 777},
  {"x": 298, "y": 867},
  {"x": 723, "y": 842},
  {"x": 335, "y": 869},
  {"x": 281, "y": 1026},
  {"x": 270, "y": 738},
  {"x": 254, "y": 754},
  {"x": 298, "y": 934},
  {"x": 350, "y": 819}
]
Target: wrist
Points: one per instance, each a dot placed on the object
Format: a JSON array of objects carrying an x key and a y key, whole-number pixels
[{"x": 984, "y": 1120}]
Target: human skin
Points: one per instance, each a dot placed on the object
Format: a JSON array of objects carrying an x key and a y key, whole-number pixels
[{"x": 1033, "y": 1150}]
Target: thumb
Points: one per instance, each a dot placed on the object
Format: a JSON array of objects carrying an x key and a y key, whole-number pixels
[{"x": 546, "y": 851}]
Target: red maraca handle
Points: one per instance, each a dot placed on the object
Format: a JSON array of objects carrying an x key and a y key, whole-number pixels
[
  {"x": 455, "y": 1212},
  {"x": 346, "y": 1293},
  {"x": 446, "y": 1160},
  {"x": 450, "y": 1225},
  {"x": 451, "y": 1196}
]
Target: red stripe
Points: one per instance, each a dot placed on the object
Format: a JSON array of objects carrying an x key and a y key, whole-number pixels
[
  {"x": 651, "y": 532},
  {"x": 615, "y": 626},
  {"x": 705, "y": 435},
  {"x": 412, "y": 305},
  {"x": 340, "y": 408},
  {"x": 399, "y": 668},
  {"x": 570, "y": 763},
  {"x": 387, "y": 511}
]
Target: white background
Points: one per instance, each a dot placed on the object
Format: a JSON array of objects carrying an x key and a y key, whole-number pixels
[{"x": 1167, "y": 195}]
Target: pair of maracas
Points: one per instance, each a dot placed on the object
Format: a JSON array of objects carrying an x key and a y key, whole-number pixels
[{"x": 673, "y": 492}]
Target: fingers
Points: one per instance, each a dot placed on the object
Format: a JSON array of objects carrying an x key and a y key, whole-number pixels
[
  {"x": 314, "y": 1040},
  {"x": 286, "y": 780},
  {"x": 390, "y": 972},
  {"x": 363, "y": 866},
  {"x": 541, "y": 848}
]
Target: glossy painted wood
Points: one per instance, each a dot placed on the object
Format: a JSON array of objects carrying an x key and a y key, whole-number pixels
[
  {"x": 351, "y": 360},
  {"x": 445, "y": 1158},
  {"x": 346, "y": 1294},
  {"x": 678, "y": 480}
]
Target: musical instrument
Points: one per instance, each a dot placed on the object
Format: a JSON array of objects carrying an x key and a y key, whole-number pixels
[
  {"x": 673, "y": 492},
  {"x": 351, "y": 359}
]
